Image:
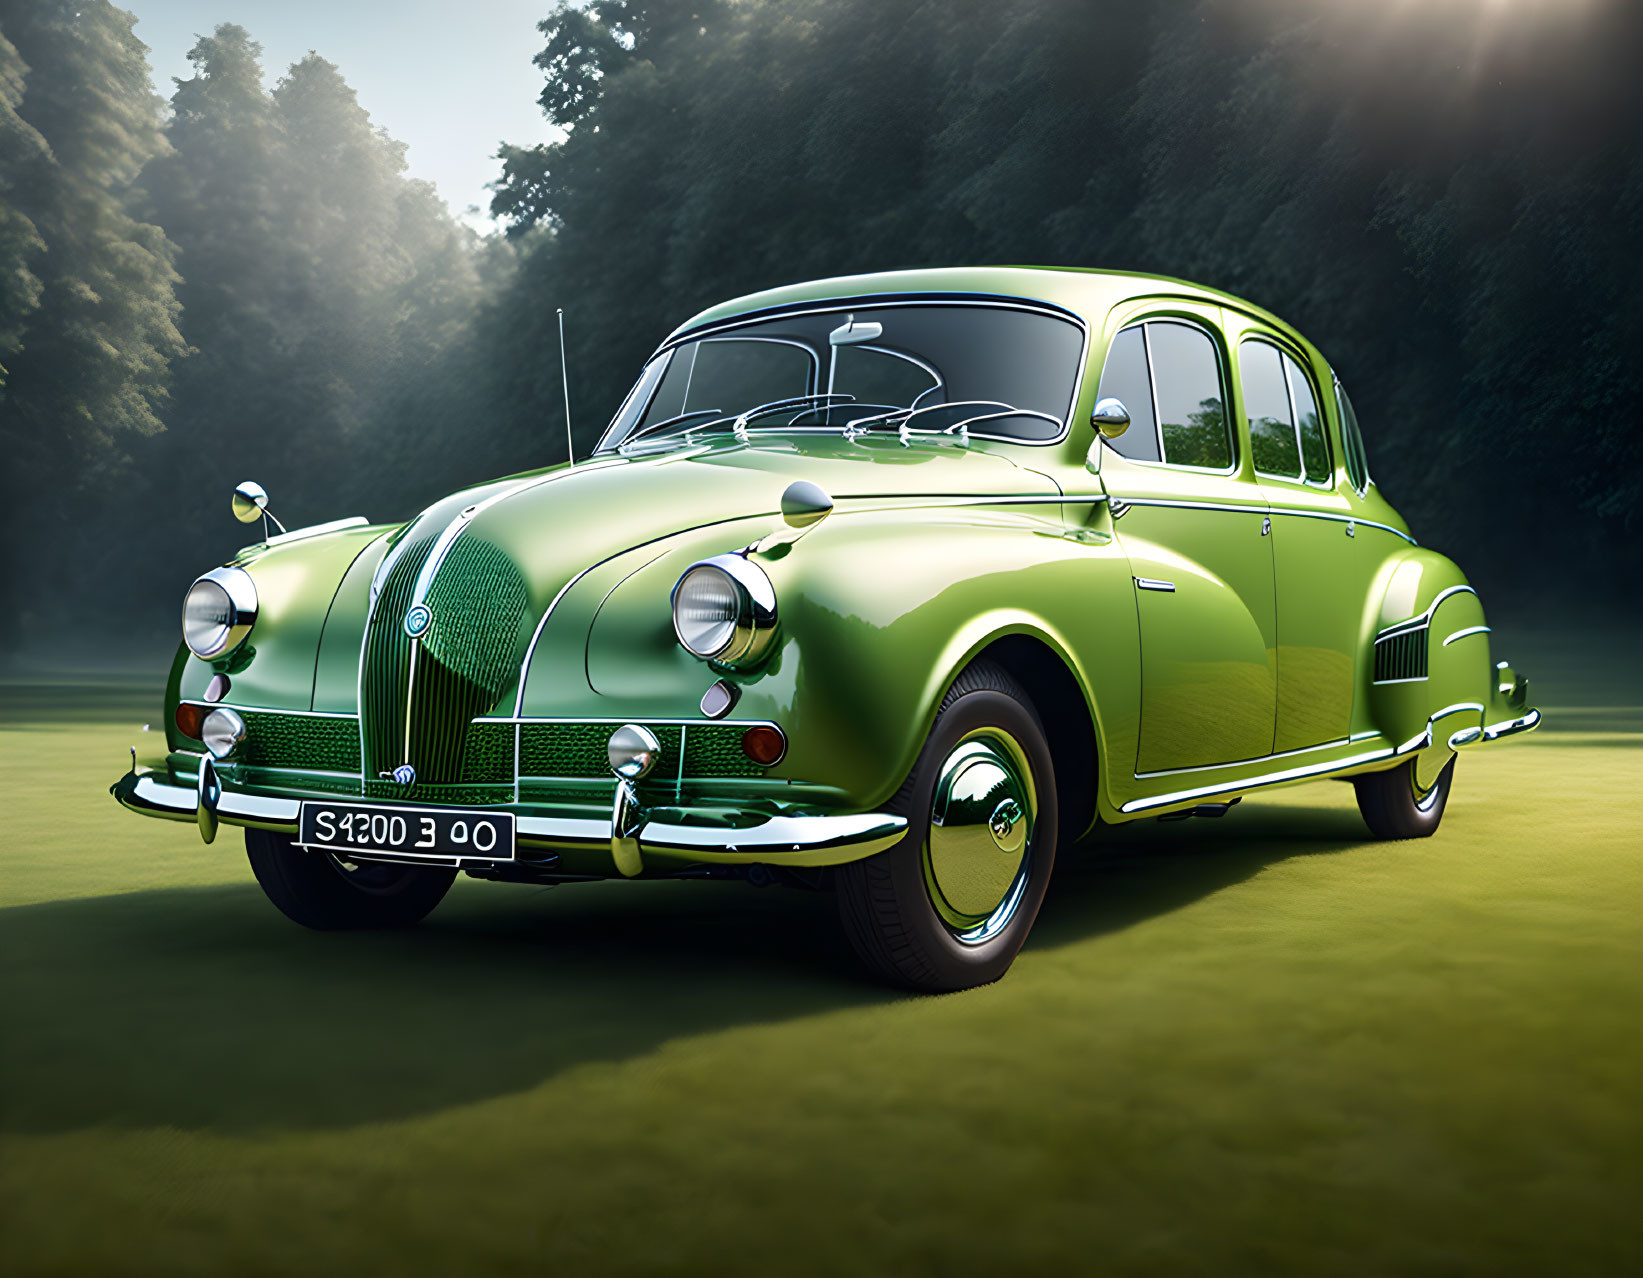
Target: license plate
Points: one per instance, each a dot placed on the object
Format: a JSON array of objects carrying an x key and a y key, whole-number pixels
[{"x": 412, "y": 833}]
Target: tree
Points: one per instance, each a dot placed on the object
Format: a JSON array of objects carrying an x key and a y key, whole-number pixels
[{"x": 89, "y": 326}]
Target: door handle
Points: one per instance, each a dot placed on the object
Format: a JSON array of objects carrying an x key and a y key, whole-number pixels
[
  {"x": 1266, "y": 524},
  {"x": 1152, "y": 583}
]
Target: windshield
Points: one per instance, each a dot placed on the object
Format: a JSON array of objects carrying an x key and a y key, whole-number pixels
[{"x": 995, "y": 371}]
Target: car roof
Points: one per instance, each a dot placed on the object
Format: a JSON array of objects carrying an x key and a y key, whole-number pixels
[{"x": 1087, "y": 292}]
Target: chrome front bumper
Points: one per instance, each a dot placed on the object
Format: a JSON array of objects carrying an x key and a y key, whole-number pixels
[{"x": 675, "y": 835}]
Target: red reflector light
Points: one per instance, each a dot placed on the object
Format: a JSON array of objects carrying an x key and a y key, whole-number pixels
[
  {"x": 189, "y": 719},
  {"x": 763, "y": 744}
]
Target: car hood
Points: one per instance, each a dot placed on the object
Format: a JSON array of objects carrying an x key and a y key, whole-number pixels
[
  {"x": 553, "y": 524},
  {"x": 465, "y": 586}
]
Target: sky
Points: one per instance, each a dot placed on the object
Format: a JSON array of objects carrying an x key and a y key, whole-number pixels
[{"x": 450, "y": 80}]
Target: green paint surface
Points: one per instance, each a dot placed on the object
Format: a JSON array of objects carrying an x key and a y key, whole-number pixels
[{"x": 1262, "y": 1045}]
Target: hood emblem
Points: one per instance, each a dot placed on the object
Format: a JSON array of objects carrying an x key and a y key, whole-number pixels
[
  {"x": 417, "y": 620},
  {"x": 405, "y": 774}
]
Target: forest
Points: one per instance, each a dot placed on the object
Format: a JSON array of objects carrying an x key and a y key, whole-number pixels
[{"x": 236, "y": 282}]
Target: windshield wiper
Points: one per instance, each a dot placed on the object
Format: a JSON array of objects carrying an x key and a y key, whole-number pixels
[
  {"x": 663, "y": 425},
  {"x": 902, "y": 418},
  {"x": 781, "y": 405},
  {"x": 738, "y": 421}
]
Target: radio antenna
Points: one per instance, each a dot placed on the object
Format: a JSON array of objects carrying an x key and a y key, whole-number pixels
[{"x": 564, "y": 373}]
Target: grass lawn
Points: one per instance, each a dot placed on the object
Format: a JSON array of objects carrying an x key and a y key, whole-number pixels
[{"x": 1262, "y": 1045}]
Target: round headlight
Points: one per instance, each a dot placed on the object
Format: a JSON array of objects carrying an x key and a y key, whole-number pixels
[
  {"x": 706, "y": 604},
  {"x": 724, "y": 610},
  {"x": 219, "y": 611}
]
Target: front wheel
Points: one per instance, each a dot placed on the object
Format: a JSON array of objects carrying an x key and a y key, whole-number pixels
[
  {"x": 322, "y": 891},
  {"x": 1395, "y": 805},
  {"x": 950, "y": 906}
]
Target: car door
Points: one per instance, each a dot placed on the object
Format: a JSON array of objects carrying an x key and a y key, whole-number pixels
[
  {"x": 1316, "y": 565},
  {"x": 1191, "y": 518}
]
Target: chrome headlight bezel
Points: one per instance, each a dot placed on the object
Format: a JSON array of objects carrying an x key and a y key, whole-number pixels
[
  {"x": 232, "y": 596},
  {"x": 750, "y": 615},
  {"x": 222, "y": 731}
]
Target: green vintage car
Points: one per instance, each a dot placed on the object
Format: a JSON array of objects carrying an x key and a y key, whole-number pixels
[{"x": 892, "y": 584}]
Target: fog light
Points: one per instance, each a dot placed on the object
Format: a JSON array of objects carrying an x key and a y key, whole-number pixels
[
  {"x": 633, "y": 751},
  {"x": 221, "y": 732},
  {"x": 764, "y": 744},
  {"x": 189, "y": 718}
]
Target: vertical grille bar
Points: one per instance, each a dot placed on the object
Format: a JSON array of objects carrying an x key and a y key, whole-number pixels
[{"x": 1401, "y": 656}]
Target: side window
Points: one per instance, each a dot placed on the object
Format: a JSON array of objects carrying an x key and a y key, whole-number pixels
[
  {"x": 1272, "y": 440},
  {"x": 1309, "y": 425},
  {"x": 1126, "y": 377},
  {"x": 1191, "y": 407},
  {"x": 1357, "y": 461},
  {"x": 1286, "y": 433}
]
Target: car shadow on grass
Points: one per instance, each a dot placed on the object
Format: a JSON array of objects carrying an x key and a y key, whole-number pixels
[{"x": 201, "y": 1007}]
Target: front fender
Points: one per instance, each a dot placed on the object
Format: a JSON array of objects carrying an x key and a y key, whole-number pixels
[
  {"x": 296, "y": 583},
  {"x": 878, "y": 611}
]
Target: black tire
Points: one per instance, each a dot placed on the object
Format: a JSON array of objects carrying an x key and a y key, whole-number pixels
[
  {"x": 314, "y": 889},
  {"x": 1394, "y": 805},
  {"x": 884, "y": 902}
]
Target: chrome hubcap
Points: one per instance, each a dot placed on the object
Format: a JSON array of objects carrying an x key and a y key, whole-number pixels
[{"x": 979, "y": 851}]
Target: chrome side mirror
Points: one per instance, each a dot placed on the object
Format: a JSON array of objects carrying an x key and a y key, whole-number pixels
[
  {"x": 251, "y": 504},
  {"x": 805, "y": 503},
  {"x": 1110, "y": 417}
]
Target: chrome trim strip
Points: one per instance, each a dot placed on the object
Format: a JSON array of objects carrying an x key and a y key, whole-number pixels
[
  {"x": 1419, "y": 741},
  {"x": 232, "y": 768},
  {"x": 530, "y": 649},
  {"x": 564, "y": 829},
  {"x": 317, "y": 530},
  {"x": 1455, "y": 709},
  {"x": 309, "y": 714},
  {"x": 1461, "y": 634},
  {"x": 1386, "y": 683},
  {"x": 1304, "y": 772},
  {"x": 1494, "y": 731},
  {"x": 1153, "y": 583},
  {"x": 1347, "y": 519},
  {"x": 172, "y": 798},
  {"x": 1263, "y": 758},
  {"x": 641, "y": 719},
  {"x": 778, "y": 834},
  {"x": 1251, "y": 783},
  {"x": 1233, "y": 507},
  {"x": 1423, "y": 618}
]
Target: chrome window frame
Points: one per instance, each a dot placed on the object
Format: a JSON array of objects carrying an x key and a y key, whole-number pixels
[
  {"x": 1341, "y": 403},
  {"x": 1221, "y": 372},
  {"x": 1294, "y": 357},
  {"x": 1326, "y": 485},
  {"x": 892, "y": 301}
]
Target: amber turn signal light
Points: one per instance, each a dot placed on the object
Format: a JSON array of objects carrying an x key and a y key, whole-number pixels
[
  {"x": 189, "y": 720},
  {"x": 764, "y": 744}
]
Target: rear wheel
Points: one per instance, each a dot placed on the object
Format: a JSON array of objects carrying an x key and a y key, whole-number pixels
[
  {"x": 949, "y": 906},
  {"x": 321, "y": 891},
  {"x": 1397, "y": 805}
]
